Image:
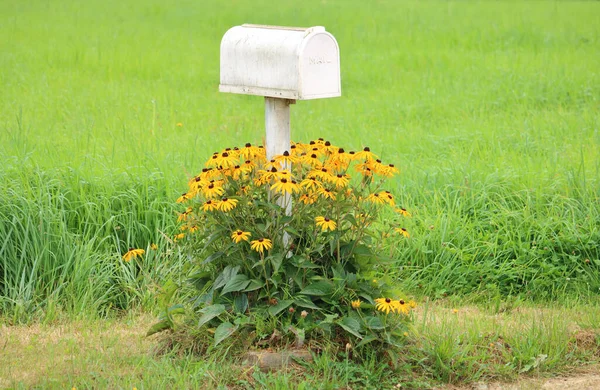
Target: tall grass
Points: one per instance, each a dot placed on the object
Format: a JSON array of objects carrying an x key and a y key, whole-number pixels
[{"x": 490, "y": 108}]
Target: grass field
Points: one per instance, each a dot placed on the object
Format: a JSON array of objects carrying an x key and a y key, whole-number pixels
[{"x": 491, "y": 109}]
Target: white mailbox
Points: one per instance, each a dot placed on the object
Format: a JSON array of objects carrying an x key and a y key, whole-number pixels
[{"x": 280, "y": 62}]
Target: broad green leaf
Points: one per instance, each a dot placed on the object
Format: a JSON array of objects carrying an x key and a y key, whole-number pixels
[
  {"x": 159, "y": 327},
  {"x": 223, "y": 331},
  {"x": 228, "y": 273},
  {"x": 292, "y": 231},
  {"x": 213, "y": 257},
  {"x": 368, "y": 338},
  {"x": 374, "y": 323},
  {"x": 166, "y": 293},
  {"x": 276, "y": 262},
  {"x": 306, "y": 304},
  {"x": 237, "y": 283},
  {"x": 279, "y": 307},
  {"x": 240, "y": 303},
  {"x": 176, "y": 309},
  {"x": 255, "y": 284},
  {"x": 210, "y": 312},
  {"x": 319, "y": 288},
  {"x": 351, "y": 326}
]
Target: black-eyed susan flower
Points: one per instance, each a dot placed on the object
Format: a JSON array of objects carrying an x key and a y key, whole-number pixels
[
  {"x": 356, "y": 304},
  {"x": 185, "y": 196},
  {"x": 153, "y": 246},
  {"x": 179, "y": 124},
  {"x": 387, "y": 197},
  {"x": 261, "y": 245},
  {"x": 239, "y": 235},
  {"x": 385, "y": 305},
  {"x": 210, "y": 205},
  {"x": 311, "y": 183},
  {"x": 285, "y": 159},
  {"x": 401, "y": 307},
  {"x": 193, "y": 229},
  {"x": 285, "y": 186},
  {"x": 390, "y": 170},
  {"x": 375, "y": 198},
  {"x": 308, "y": 198},
  {"x": 311, "y": 159},
  {"x": 226, "y": 159},
  {"x": 227, "y": 204},
  {"x": 265, "y": 176},
  {"x": 365, "y": 154},
  {"x": 323, "y": 174},
  {"x": 132, "y": 253},
  {"x": 403, "y": 212},
  {"x": 402, "y": 232},
  {"x": 325, "y": 223},
  {"x": 178, "y": 237},
  {"x": 327, "y": 193},
  {"x": 340, "y": 180},
  {"x": 212, "y": 190},
  {"x": 248, "y": 152}
]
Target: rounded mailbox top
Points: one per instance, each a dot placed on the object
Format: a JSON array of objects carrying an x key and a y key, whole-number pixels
[{"x": 284, "y": 62}]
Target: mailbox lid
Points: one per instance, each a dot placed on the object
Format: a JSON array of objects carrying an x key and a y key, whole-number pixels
[{"x": 284, "y": 62}]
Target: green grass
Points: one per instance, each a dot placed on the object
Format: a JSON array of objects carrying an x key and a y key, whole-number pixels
[
  {"x": 491, "y": 109},
  {"x": 470, "y": 344}
]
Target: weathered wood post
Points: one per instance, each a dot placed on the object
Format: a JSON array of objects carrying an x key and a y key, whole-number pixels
[{"x": 283, "y": 64}]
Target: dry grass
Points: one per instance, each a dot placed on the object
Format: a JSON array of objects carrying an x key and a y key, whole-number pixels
[{"x": 51, "y": 353}]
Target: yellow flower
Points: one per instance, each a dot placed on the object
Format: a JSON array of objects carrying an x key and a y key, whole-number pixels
[
  {"x": 265, "y": 176},
  {"x": 311, "y": 159},
  {"x": 132, "y": 254},
  {"x": 365, "y": 154},
  {"x": 387, "y": 197},
  {"x": 356, "y": 304},
  {"x": 225, "y": 159},
  {"x": 178, "y": 237},
  {"x": 153, "y": 247},
  {"x": 285, "y": 159},
  {"x": 412, "y": 304},
  {"x": 389, "y": 170},
  {"x": 193, "y": 229},
  {"x": 308, "y": 198},
  {"x": 311, "y": 183},
  {"x": 402, "y": 231},
  {"x": 239, "y": 235},
  {"x": 401, "y": 307},
  {"x": 326, "y": 193},
  {"x": 375, "y": 198},
  {"x": 261, "y": 244},
  {"x": 213, "y": 190},
  {"x": 179, "y": 124},
  {"x": 227, "y": 204},
  {"x": 385, "y": 305},
  {"x": 285, "y": 186},
  {"x": 248, "y": 152},
  {"x": 183, "y": 198},
  {"x": 341, "y": 181},
  {"x": 402, "y": 211},
  {"x": 210, "y": 205},
  {"x": 325, "y": 223}
]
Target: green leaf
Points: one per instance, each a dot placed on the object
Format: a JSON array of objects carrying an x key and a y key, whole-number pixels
[
  {"x": 210, "y": 312},
  {"x": 292, "y": 231},
  {"x": 279, "y": 307},
  {"x": 351, "y": 326},
  {"x": 237, "y": 283},
  {"x": 368, "y": 338},
  {"x": 159, "y": 327},
  {"x": 255, "y": 284},
  {"x": 240, "y": 303},
  {"x": 228, "y": 273},
  {"x": 213, "y": 257},
  {"x": 176, "y": 309},
  {"x": 374, "y": 323},
  {"x": 306, "y": 304},
  {"x": 319, "y": 288},
  {"x": 167, "y": 292},
  {"x": 223, "y": 331},
  {"x": 276, "y": 262}
]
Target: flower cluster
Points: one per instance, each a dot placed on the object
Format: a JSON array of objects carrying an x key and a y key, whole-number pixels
[{"x": 314, "y": 173}]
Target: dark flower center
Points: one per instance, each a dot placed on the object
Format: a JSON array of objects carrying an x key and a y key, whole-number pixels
[
  {"x": 401, "y": 301},
  {"x": 366, "y": 149},
  {"x": 225, "y": 154},
  {"x": 388, "y": 300},
  {"x": 248, "y": 144},
  {"x": 239, "y": 233},
  {"x": 327, "y": 143},
  {"x": 284, "y": 180},
  {"x": 286, "y": 153},
  {"x": 340, "y": 150}
]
